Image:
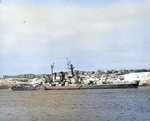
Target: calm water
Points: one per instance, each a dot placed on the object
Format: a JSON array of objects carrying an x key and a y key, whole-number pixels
[{"x": 76, "y": 105}]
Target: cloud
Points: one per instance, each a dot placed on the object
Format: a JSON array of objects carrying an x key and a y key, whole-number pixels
[{"x": 80, "y": 32}]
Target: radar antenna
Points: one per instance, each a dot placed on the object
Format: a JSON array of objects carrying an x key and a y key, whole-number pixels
[
  {"x": 70, "y": 67},
  {"x": 68, "y": 63}
]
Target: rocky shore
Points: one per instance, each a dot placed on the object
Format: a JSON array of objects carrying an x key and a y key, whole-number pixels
[
  {"x": 9, "y": 82},
  {"x": 144, "y": 78}
]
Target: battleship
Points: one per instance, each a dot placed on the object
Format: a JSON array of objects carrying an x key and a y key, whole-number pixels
[{"x": 75, "y": 82}]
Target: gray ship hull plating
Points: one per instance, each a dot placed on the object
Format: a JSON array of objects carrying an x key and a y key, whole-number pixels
[{"x": 102, "y": 86}]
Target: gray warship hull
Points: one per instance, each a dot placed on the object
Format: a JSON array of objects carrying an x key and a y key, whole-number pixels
[{"x": 101, "y": 86}]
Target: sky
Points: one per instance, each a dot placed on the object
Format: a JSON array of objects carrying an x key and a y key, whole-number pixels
[{"x": 93, "y": 34}]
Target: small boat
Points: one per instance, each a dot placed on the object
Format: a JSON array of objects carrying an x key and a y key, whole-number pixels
[
  {"x": 95, "y": 86},
  {"x": 24, "y": 87}
]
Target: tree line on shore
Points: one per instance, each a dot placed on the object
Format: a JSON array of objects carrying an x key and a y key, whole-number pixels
[
  {"x": 122, "y": 71},
  {"x": 99, "y": 72}
]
